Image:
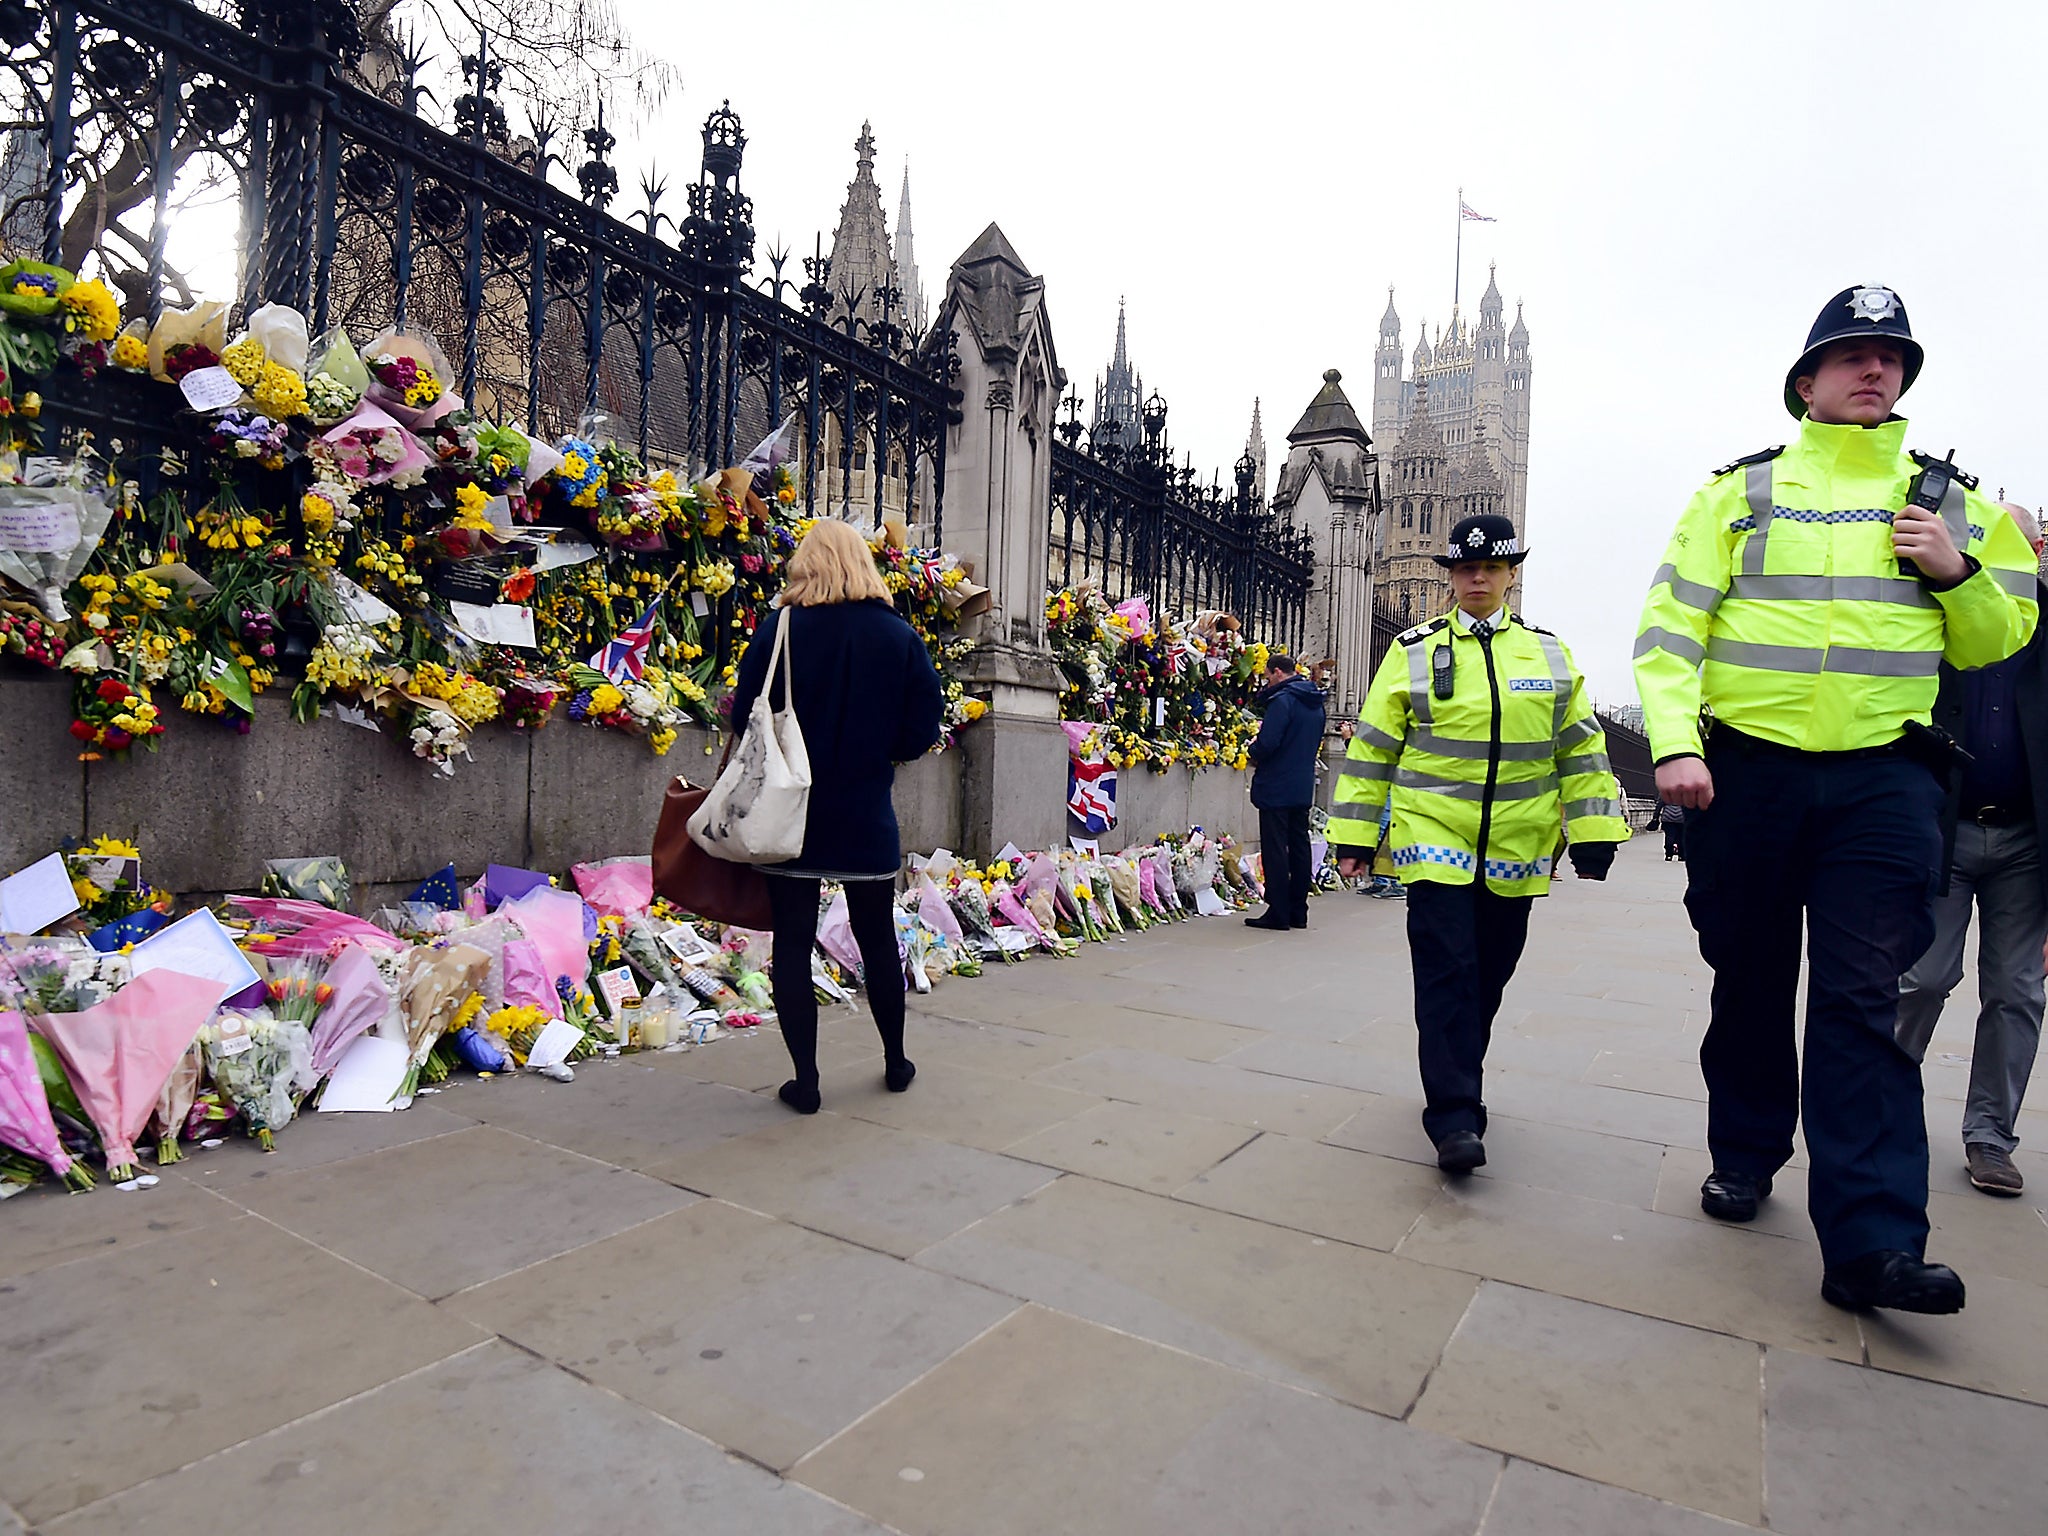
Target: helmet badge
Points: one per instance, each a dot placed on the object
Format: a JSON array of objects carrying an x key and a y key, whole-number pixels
[
  {"x": 1873, "y": 304},
  {"x": 1476, "y": 538}
]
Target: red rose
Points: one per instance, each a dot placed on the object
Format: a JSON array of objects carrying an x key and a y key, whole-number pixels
[
  {"x": 82, "y": 729},
  {"x": 112, "y": 690}
]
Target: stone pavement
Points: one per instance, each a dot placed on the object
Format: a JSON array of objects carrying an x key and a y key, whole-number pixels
[{"x": 1154, "y": 1245}]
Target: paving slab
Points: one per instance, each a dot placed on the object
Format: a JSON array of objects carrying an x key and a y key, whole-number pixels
[
  {"x": 762, "y": 1336},
  {"x": 870, "y": 1184},
  {"x": 1867, "y": 1453},
  {"x": 1152, "y": 1149},
  {"x": 1671, "y": 1076},
  {"x": 1361, "y": 1326},
  {"x": 135, "y": 1364},
  {"x": 1257, "y": 1100},
  {"x": 1002, "y": 1050},
  {"x": 1555, "y": 1157},
  {"x": 1354, "y": 1197},
  {"x": 1998, "y": 1343},
  {"x": 1537, "y": 1501},
  {"x": 633, "y": 1111},
  {"x": 1100, "y": 1434},
  {"x": 317, "y": 1141},
  {"x": 47, "y": 1225},
  {"x": 756, "y": 1059},
  {"x": 960, "y": 1105},
  {"x": 1752, "y": 1286},
  {"x": 1135, "y": 1027},
  {"x": 1669, "y": 1411},
  {"x": 436, "y": 1216},
  {"x": 490, "y": 1443}
]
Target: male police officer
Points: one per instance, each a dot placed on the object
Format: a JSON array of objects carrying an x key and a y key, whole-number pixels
[
  {"x": 1808, "y": 605},
  {"x": 1479, "y": 729}
]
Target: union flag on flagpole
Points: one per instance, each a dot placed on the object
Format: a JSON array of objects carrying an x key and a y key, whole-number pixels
[{"x": 1467, "y": 211}]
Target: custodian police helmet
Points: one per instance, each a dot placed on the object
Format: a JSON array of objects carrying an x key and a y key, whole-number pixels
[{"x": 1850, "y": 315}]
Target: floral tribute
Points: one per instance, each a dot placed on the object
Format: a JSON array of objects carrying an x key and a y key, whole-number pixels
[
  {"x": 325, "y": 517},
  {"x": 1161, "y": 690}
]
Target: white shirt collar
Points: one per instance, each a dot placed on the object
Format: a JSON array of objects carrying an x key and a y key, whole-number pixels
[{"x": 1494, "y": 621}]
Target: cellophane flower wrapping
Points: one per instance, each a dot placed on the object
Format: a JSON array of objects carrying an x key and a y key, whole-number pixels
[
  {"x": 266, "y": 1081},
  {"x": 419, "y": 354},
  {"x": 1123, "y": 884},
  {"x": 915, "y": 941},
  {"x": 835, "y": 937},
  {"x": 359, "y": 1002},
  {"x": 1011, "y": 908},
  {"x": 120, "y": 1053},
  {"x": 25, "y": 1121},
  {"x": 620, "y": 887},
  {"x": 1105, "y": 897},
  {"x": 323, "y": 880},
  {"x": 527, "y": 983},
  {"x": 970, "y": 903},
  {"x": 433, "y": 984},
  {"x": 175, "y": 1102}
]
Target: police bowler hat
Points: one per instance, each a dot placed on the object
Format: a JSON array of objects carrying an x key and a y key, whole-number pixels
[
  {"x": 1852, "y": 315},
  {"x": 1486, "y": 537}
]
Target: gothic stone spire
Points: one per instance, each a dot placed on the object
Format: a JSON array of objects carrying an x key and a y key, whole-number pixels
[
  {"x": 861, "y": 260},
  {"x": 913, "y": 309}
]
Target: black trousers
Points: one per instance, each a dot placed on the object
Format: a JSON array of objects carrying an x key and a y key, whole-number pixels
[
  {"x": 871, "y": 910},
  {"x": 1848, "y": 849},
  {"x": 1463, "y": 942},
  {"x": 1283, "y": 844},
  {"x": 1674, "y": 839}
]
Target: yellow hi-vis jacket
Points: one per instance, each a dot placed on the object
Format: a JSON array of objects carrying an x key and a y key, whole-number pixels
[
  {"x": 1478, "y": 777},
  {"x": 1781, "y": 607}
]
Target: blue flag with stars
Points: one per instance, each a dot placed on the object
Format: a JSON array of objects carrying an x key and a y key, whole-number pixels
[{"x": 439, "y": 889}]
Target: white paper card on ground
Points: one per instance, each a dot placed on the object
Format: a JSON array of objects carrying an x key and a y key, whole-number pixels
[
  {"x": 195, "y": 945},
  {"x": 551, "y": 1047},
  {"x": 699, "y": 604},
  {"x": 1209, "y": 904},
  {"x": 618, "y": 989},
  {"x": 39, "y": 522},
  {"x": 1090, "y": 846},
  {"x": 367, "y": 1078},
  {"x": 349, "y": 715},
  {"x": 495, "y": 623},
  {"x": 31, "y": 899},
  {"x": 210, "y": 389},
  {"x": 563, "y": 552},
  {"x": 363, "y": 606},
  {"x": 1012, "y": 853}
]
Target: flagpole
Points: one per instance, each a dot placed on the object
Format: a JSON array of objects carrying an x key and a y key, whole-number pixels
[{"x": 1458, "y": 263}]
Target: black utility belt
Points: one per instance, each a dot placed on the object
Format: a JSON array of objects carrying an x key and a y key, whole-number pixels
[
  {"x": 1999, "y": 815},
  {"x": 1726, "y": 737}
]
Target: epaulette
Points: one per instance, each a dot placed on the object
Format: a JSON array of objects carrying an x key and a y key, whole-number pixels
[
  {"x": 1761, "y": 456},
  {"x": 1534, "y": 629},
  {"x": 1962, "y": 476},
  {"x": 1421, "y": 631}
]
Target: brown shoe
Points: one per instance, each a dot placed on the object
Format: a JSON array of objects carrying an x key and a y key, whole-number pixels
[{"x": 1991, "y": 1169}]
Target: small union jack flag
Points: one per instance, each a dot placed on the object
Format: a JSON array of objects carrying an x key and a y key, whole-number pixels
[
  {"x": 624, "y": 656},
  {"x": 1467, "y": 211}
]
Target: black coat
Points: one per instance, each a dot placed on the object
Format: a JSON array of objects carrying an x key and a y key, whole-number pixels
[
  {"x": 1290, "y": 739},
  {"x": 2032, "y": 693},
  {"x": 867, "y": 698}
]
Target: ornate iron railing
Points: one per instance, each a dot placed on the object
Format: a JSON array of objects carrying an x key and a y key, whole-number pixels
[
  {"x": 359, "y": 210},
  {"x": 1125, "y": 518}
]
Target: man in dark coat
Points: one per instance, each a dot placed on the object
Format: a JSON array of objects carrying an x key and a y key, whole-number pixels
[
  {"x": 1994, "y": 862},
  {"x": 1284, "y": 787}
]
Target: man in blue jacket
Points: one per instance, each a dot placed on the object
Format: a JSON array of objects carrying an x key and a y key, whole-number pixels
[{"x": 1283, "y": 788}]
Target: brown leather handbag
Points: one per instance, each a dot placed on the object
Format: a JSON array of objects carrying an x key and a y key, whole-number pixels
[{"x": 701, "y": 883}]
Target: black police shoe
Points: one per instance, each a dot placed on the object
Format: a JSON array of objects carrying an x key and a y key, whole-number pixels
[
  {"x": 1894, "y": 1279},
  {"x": 1732, "y": 1196},
  {"x": 1461, "y": 1152},
  {"x": 1270, "y": 922}
]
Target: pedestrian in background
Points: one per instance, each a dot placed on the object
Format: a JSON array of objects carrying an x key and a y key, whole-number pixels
[
  {"x": 866, "y": 697},
  {"x": 1285, "y": 755},
  {"x": 1478, "y": 732},
  {"x": 1807, "y": 600},
  {"x": 1672, "y": 819},
  {"x": 1992, "y": 849}
]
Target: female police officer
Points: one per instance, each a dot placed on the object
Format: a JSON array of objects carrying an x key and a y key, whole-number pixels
[{"x": 1479, "y": 727}]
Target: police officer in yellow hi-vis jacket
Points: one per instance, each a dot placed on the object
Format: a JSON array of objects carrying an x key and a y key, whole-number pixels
[
  {"x": 1479, "y": 728},
  {"x": 1806, "y": 603}
]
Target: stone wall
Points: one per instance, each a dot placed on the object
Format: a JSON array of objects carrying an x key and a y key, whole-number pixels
[{"x": 210, "y": 806}]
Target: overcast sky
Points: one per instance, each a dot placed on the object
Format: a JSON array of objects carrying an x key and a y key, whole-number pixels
[{"x": 1678, "y": 189}]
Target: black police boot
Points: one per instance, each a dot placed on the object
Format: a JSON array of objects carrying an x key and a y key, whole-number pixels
[
  {"x": 1269, "y": 920},
  {"x": 1732, "y": 1196},
  {"x": 1894, "y": 1279},
  {"x": 1461, "y": 1152}
]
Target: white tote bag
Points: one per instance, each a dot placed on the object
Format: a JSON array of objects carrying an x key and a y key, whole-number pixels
[{"x": 755, "y": 813}]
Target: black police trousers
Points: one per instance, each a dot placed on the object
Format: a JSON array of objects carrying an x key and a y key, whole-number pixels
[
  {"x": 1463, "y": 943},
  {"x": 1284, "y": 850},
  {"x": 1851, "y": 845}
]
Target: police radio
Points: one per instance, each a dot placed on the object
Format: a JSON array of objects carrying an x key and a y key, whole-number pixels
[
  {"x": 1440, "y": 664},
  {"x": 1927, "y": 492}
]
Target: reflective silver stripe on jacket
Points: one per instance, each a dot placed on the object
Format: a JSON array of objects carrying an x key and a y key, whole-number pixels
[
  {"x": 1903, "y": 590},
  {"x": 1574, "y": 809},
  {"x": 1955, "y": 512},
  {"x": 1694, "y": 594},
  {"x": 1576, "y": 732},
  {"x": 1456, "y": 746},
  {"x": 1561, "y": 682},
  {"x": 1462, "y": 789},
  {"x": 1682, "y": 646},
  {"x": 1372, "y": 735},
  {"x": 1756, "y": 490},
  {"x": 1418, "y": 683},
  {"x": 1838, "y": 658},
  {"x": 1353, "y": 768},
  {"x": 2018, "y": 583},
  {"x": 1585, "y": 762}
]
